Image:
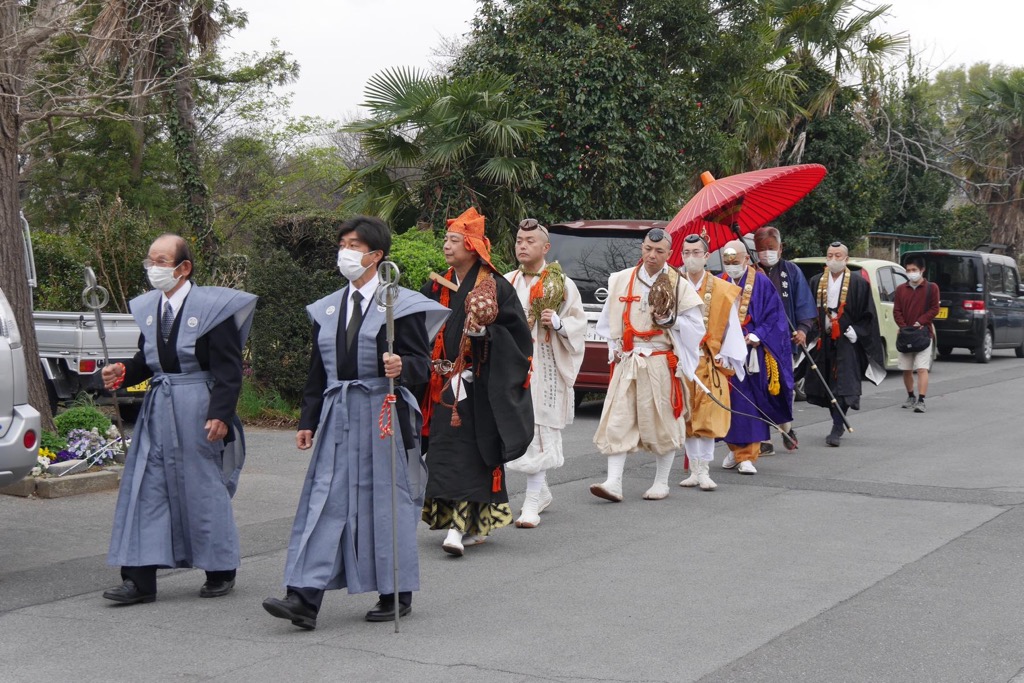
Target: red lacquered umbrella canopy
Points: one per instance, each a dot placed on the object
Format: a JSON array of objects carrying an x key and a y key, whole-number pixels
[{"x": 745, "y": 201}]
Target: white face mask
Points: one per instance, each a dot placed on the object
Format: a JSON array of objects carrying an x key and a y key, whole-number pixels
[
  {"x": 836, "y": 266},
  {"x": 735, "y": 271},
  {"x": 769, "y": 257},
  {"x": 350, "y": 264},
  {"x": 694, "y": 264},
  {"x": 162, "y": 277},
  {"x": 914, "y": 276}
]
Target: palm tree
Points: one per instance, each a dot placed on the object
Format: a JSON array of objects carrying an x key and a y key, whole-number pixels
[
  {"x": 439, "y": 145},
  {"x": 813, "y": 52},
  {"x": 991, "y": 153},
  {"x": 837, "y": 37}
]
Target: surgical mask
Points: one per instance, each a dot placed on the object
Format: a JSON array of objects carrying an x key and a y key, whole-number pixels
[
  {"x": 914, "y": 277},
  {"x": 693, "y": 264},
  {"x": 162, "y": 277},
  {"x": 836, "y": 266},
  {"x": 768, "y": 257},
  {"x": 350, "y": 264},
  {"x": 735, "y": 271}
]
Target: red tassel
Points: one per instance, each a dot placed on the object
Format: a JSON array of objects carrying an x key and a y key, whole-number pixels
[
  {"x": 496, "y": 480},
  {"x": 529, "y": 373},
  {"x": 456, "y": 420}
]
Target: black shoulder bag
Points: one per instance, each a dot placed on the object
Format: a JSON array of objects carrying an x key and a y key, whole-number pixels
[{"x": 914, "y": 339}]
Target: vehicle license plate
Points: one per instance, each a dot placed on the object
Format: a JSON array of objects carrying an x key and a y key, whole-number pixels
[
  {"x": 592, "y": 335},
  {"x": 942, "y": 314},
  {"x": 141, "y": 386}
]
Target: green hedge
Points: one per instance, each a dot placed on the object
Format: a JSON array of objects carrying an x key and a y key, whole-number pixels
[{"x": 81, "y": 417}]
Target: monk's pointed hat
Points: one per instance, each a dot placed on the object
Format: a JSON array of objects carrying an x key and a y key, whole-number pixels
[{"x": 471, "y": 226}]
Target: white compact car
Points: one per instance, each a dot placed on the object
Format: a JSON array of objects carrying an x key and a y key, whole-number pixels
[{"x": 19, "y": 422}]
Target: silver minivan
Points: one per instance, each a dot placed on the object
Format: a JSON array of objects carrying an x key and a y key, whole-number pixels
[{"x": 19, "y": 422}]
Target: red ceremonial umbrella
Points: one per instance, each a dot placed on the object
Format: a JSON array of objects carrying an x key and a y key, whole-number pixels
[{"x": 739, "y": 204}]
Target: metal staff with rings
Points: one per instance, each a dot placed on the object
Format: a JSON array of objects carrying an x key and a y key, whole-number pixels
[
  {"x": 389, "y": 275},
  {"x": 95, "y": 297}
]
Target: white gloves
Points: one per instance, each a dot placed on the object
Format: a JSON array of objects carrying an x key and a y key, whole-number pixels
[{"x": 851, "y": 334}]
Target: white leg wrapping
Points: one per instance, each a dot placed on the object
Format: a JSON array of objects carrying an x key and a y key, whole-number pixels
[{"x": 659, "y": 489}]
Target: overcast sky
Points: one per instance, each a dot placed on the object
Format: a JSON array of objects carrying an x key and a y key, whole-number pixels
[{"x": 341, "y": 43}]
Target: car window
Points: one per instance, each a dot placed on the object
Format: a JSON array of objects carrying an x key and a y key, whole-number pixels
[
  {"x": 953, "y": 273},
  {"x": 886, "y": 285},
  {"x": 994, "y": 278},
  {"x": 1010, "y": 281},
  {"x": 589, "y": 259}
]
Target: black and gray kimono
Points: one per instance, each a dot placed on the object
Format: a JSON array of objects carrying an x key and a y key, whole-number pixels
[
  {"x": 174, "y": 504},
  {"x": 342, "y": 535}
]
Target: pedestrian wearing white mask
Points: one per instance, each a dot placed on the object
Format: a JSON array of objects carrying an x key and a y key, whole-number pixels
[
  {"x": 848, "y": 348},
  {"x": 798, "y": 302},
  {"x": 342, "y": 534},
  {"x": 174, "y": 505},
  {"x": 915, "y": 306},
  {"x": 722, "y": 352}
]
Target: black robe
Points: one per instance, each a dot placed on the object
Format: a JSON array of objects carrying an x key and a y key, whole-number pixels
[
  {"x": 497, "y": 412},
  {"x": 841, "y": 362}
]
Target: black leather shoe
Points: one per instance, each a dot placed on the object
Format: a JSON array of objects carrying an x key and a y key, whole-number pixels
[
  {"x": 293, "y": 609},
  {"x": 767, "y": 448},
  {"x": 216, "y": 589},
  {"x": 384, "y": 610},
  {"x": 834, "y": 436},
  {"x": 128, "y": 594}
]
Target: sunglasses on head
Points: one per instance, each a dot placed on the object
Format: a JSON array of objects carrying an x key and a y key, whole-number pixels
[{"x": 529, "y": 224}]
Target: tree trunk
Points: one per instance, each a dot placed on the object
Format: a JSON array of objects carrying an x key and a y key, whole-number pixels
[
  {"x": 183, "y": 132},
  {"x": 13, "y": 278}
]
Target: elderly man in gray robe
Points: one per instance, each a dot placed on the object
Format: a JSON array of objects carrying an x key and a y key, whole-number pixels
[
  {"x": 174, "y": 504},
  {"x": 342, "y": 536}
]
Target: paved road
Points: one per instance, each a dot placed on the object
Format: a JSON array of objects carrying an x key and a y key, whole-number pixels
[{"x": 896, "y": 557}]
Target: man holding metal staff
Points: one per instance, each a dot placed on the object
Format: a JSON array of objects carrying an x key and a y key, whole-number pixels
[
  {"x": 174, "y": 505},
  {"x": 343, "y": 535},
  {"x": 848, "y": 348}
]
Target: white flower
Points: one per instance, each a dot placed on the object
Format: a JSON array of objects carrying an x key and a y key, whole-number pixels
[{"x": 36, "y": 471}]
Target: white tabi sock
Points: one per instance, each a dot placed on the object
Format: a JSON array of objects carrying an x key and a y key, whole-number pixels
[
  {"x": 454, "y": 537},
  {"x": 616, "y": 466},
  {"x": 664, "y": 463},
  {"x": 535, "y": 481}
]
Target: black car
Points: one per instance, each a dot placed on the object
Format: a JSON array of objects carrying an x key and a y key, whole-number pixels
[{"x": 982, "y": 301}]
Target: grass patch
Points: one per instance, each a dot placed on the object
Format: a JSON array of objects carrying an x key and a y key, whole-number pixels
[{"x": 264, "y": 407}]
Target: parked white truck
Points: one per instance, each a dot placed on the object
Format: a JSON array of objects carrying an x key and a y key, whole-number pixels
[
  {"x": 72, "y": 355},
  {"x": 71, "y": 351}
]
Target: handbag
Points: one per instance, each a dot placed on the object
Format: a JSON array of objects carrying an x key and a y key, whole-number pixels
[{"x": 913, "y": 339}]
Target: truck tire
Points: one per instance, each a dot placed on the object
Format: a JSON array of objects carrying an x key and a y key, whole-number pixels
[
  {"x": 945, "y": 351},
  {"x": 51, "y": 395},
  {"x": 983, "y": 351}
]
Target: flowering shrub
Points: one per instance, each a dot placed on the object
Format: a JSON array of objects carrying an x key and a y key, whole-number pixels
[
  {"x": 91, "y": 445},
  {"x": 42, "y": 464}
]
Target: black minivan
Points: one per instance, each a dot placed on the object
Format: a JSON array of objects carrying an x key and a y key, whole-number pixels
[{"x": 982, "y": 301}]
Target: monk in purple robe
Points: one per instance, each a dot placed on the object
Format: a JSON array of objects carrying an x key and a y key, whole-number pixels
[{"x": 765, "y": 394}]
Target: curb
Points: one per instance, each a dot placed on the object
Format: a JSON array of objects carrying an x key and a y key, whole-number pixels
[{"x": 60, "y": 487}]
